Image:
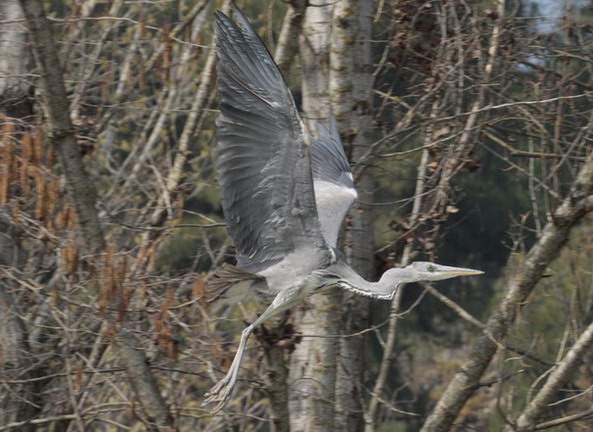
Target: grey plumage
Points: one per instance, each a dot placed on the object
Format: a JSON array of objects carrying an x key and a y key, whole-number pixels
[
  {"x": 264, "y": 163},
  {"x": 284, "y": 193}
]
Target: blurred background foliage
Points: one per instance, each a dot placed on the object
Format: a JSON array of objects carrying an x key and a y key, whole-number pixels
[
  {"x": 501, "y": 198},
  {"x": 492, "y": 227}
]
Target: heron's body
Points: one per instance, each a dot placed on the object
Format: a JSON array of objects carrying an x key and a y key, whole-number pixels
[{"x": 284, "y": 194}]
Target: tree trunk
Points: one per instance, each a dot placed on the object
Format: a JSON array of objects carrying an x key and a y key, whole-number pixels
[
  {"x": 312, "y": 373},
  {"x": 14, "y": 97},
  {"x": 82, "y": 195},
  {"x": 62, "y": 133},
  {"x": 350, "y": 86},
  {"x": 287, "y": 45},
  {"x": 272, "y": 337},
  {"x": 17, "y": 401}
]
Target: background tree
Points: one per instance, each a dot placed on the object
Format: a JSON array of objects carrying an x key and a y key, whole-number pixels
[{"x": 469, "y": 128}]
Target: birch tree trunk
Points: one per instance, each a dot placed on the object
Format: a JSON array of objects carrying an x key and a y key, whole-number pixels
[
  {"x": 14, "y": 100},
  {"x": 17, "y": 403},
  {"x": 312, "y": 375},
  {"x": 350, "y": 86}
]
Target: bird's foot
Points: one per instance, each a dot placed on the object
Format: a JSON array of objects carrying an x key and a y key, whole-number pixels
[{"x": 219, "y": 395}]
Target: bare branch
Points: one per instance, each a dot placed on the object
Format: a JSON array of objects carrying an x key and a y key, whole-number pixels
[
  {"x": 287, "y": 46},
  {"x": 62, "y": 133},
  {"x": 554, "y": 236},
  {"x": 554, "y": 383}
]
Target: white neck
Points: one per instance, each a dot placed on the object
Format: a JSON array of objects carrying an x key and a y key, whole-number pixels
[{"x": 384, "y": 289}]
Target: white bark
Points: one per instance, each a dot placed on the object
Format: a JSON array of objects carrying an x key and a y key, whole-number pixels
[
  {"x": 13, "y": 60},
  {"x": 312, "y": 373},
  {"x": 17, "y": 402},
  {"x": 350, "y": 87}
]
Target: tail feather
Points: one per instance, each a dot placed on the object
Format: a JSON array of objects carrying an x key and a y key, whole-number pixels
[{"x": 226, "y": 278}]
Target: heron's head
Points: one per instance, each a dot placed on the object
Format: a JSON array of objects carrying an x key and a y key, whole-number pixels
[{"x": 427, "y": 271}]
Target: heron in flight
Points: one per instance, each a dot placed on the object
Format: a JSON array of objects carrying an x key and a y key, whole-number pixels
[{"x": 285, "y": 194}]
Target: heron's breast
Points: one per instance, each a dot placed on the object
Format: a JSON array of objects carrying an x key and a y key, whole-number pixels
[{"x": 315, "y": 285}]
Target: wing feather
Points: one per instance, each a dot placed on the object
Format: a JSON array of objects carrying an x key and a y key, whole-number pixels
[
  {"x": 332, "y": 178},
  {"x": 264, "y": 159}
]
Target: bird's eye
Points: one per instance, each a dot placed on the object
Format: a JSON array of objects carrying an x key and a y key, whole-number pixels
[{"x": 431, "y": 268}]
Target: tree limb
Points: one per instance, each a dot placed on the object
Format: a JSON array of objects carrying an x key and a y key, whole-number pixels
[
  {"x": 62, "y": 133},
  {"x": 554, "y": 236},
  {"x": 287, "y": 46},
  {"x": 555, "y": 381},
  {"x": 81, "y": 192}
]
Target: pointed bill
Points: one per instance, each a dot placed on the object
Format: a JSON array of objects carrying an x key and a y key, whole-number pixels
[{"x": 457, "y": 271}]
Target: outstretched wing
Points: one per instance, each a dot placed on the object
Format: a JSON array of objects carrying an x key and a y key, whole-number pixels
[
  {"x": 264, "y": 156},
  {"x": 332, "y": 180}
]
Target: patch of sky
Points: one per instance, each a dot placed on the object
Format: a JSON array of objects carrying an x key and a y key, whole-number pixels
[
  {"x": 550, "y": 12},
  {"x": 548, "y": 17}
]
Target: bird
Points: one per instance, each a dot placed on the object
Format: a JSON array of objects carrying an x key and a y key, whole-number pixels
[{"x": 285, "y": 193}]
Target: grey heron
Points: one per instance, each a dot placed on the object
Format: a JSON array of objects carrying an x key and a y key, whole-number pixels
[{"x": 285, "y": 194}]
